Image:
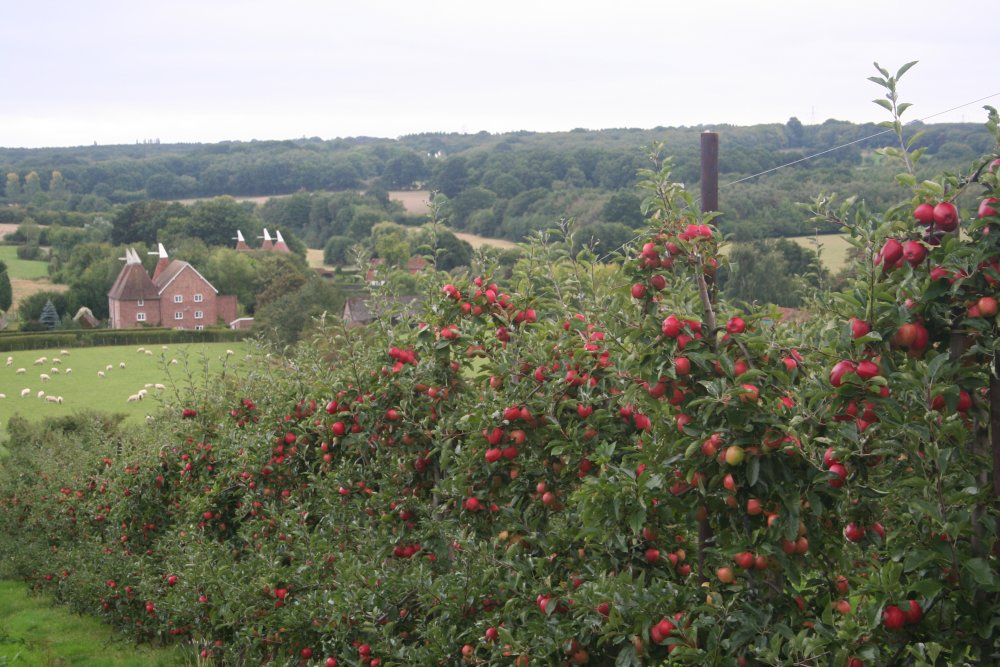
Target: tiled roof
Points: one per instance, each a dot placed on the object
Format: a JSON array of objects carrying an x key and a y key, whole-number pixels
[
  {"x": 133, "y": 283},
  {"x": 172, "y": 271}
]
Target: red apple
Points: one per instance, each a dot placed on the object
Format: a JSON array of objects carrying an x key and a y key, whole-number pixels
[
  {"x": 986, "y": 208},
  {"x": 893, "y": 617},
  {"x": 840, "y": 369},
  {"x": 854, "y": 532},
  {"x": 914, "y": 612},
  {"x": 859, "y": 328},
  {"x": 914, "y": 252},
  {"x": 924, "y": 213},
  {"x": 946, "y": 216}
]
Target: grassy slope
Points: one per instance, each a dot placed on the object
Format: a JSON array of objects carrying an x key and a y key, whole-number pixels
[
  {"x": 35, "y": 632},
  {"x": 22, "y": 268},
  {"x": 84, "y": 389}
]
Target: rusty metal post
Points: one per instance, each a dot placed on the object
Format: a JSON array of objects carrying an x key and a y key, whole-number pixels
[{"x": 709, "y": 171}]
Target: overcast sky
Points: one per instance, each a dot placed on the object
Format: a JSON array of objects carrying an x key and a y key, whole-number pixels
[{"x": 121, "y": 71}]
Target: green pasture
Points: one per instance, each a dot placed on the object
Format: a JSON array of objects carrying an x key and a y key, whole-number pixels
[
  {"x": 34, "y": 631},
  {"x": 28, "y": 269},
  {"x": 81, "y": 387},
  {"x": 834, "y": 250}
]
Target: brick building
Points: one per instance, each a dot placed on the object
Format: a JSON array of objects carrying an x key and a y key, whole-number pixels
[{"x": 175, "y": 296}]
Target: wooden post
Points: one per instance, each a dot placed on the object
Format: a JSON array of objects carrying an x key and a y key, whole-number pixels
[
  {"x": 709, "y": 202},
  {"x": 709, "y": 171}
]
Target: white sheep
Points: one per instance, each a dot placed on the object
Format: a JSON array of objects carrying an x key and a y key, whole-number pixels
[
  {"x": 159, "y": 386},
  {"x": 100, "y": 374},
  {"x": 59, "y": 399},
  {"x": 173, "y": 361},
  {"x": 149, "y": 353},
  {"x": 51, "y": 399},
  {"x": 40, "y": 360},
  {"x": 3, "y": 396},
  {"x": 53, "y": 370},
  {"x": 164, "y": 347},
  {"x": 21, "y": 371},
  {"x": 68, "y": 371},
  {"x": 25, "y": 392},
  {"x": 121, "y": 364},
  {"x": 10, "y": 361},
  {"x": 229, "y": 353},
  {"x": 64, "y": 352},
  {"x": 141, "y": 350},
  {"x": 41, "y": 393},
  {"x": 44, "y": 377},
  {"x": 109, "y": 367},
  {"x": 148, "y": 385},
  {"x": 141, "y": 393},
  {"x": 56, "y": 360},
  {"x": 133, "y": 398}
]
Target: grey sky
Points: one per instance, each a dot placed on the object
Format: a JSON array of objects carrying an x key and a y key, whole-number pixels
[{"x": 118, "y": 71}]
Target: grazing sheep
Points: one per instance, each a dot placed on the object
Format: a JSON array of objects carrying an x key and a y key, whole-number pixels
[
  {"x": 68, "y": 371},
  {"x": 41, "y": 393},
  {"x": 21, "y": 371},
  {"x": 25, "y": 392},
  {"x": 3, "y": 396},
  {"x": 64, "y": 352},
  {"x": 59, "y": 399},
  {"x": 159, "y": 386},
  {"x": 109, "y": 367},
  {"x": 173, "y": 361},
  {"x": 133, "y": 398},
  {"x": 40, "y": 360},
  {"x": 141, "y": 393},
  {"x": 10, "y": 361},
  {"x": 100, "y": 374},
  {"x": 51, "y": 399},
  {"x": 164, "y": 347},
  {"x": 53, "y": 370},
  {"x": 121, "y": 364},
  {"x": 149, "y": 353},
  {"x": 141, "y": 350},
  {"x": 44, "y": 377},
  {"x": 148, "y": 385},
  {"x": 56, "y": 360},
  {"x": 229, "y": 353}
]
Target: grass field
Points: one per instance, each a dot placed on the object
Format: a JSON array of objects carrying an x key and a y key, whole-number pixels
[
  {"x": 82, "y": 388},
  {"x": 35, "y": 632},
  {"x": 28, "y": 269},
  {"x": 833, "y": 248}
]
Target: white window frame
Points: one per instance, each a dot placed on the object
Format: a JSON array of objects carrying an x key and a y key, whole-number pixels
[
  {"x": 141, "y": 303},
  {"x": 178, "y": 314},
  {"x": 199, "y": 327},
  {"x": 178, "y": 298},
  {"x": 198, "y": 314},
  {"x": 198, "y": 298},
  {"x": 140, "y": 317}
]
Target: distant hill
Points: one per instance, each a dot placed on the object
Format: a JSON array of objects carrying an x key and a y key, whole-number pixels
[{"x": 502, "y": 185}]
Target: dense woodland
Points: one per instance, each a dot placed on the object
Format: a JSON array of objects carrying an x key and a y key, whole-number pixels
[{"x": 503, "y": 185}]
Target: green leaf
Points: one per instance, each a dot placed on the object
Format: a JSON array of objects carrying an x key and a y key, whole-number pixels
[
  {"x": 885, "y": 104},
  {"x": 753, "y": 470},
  {"x": 902, "y": 70},
  {"x": 980, "y": 571}
]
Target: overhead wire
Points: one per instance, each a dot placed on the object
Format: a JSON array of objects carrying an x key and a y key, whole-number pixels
[{"x": 823, "y": 152}]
